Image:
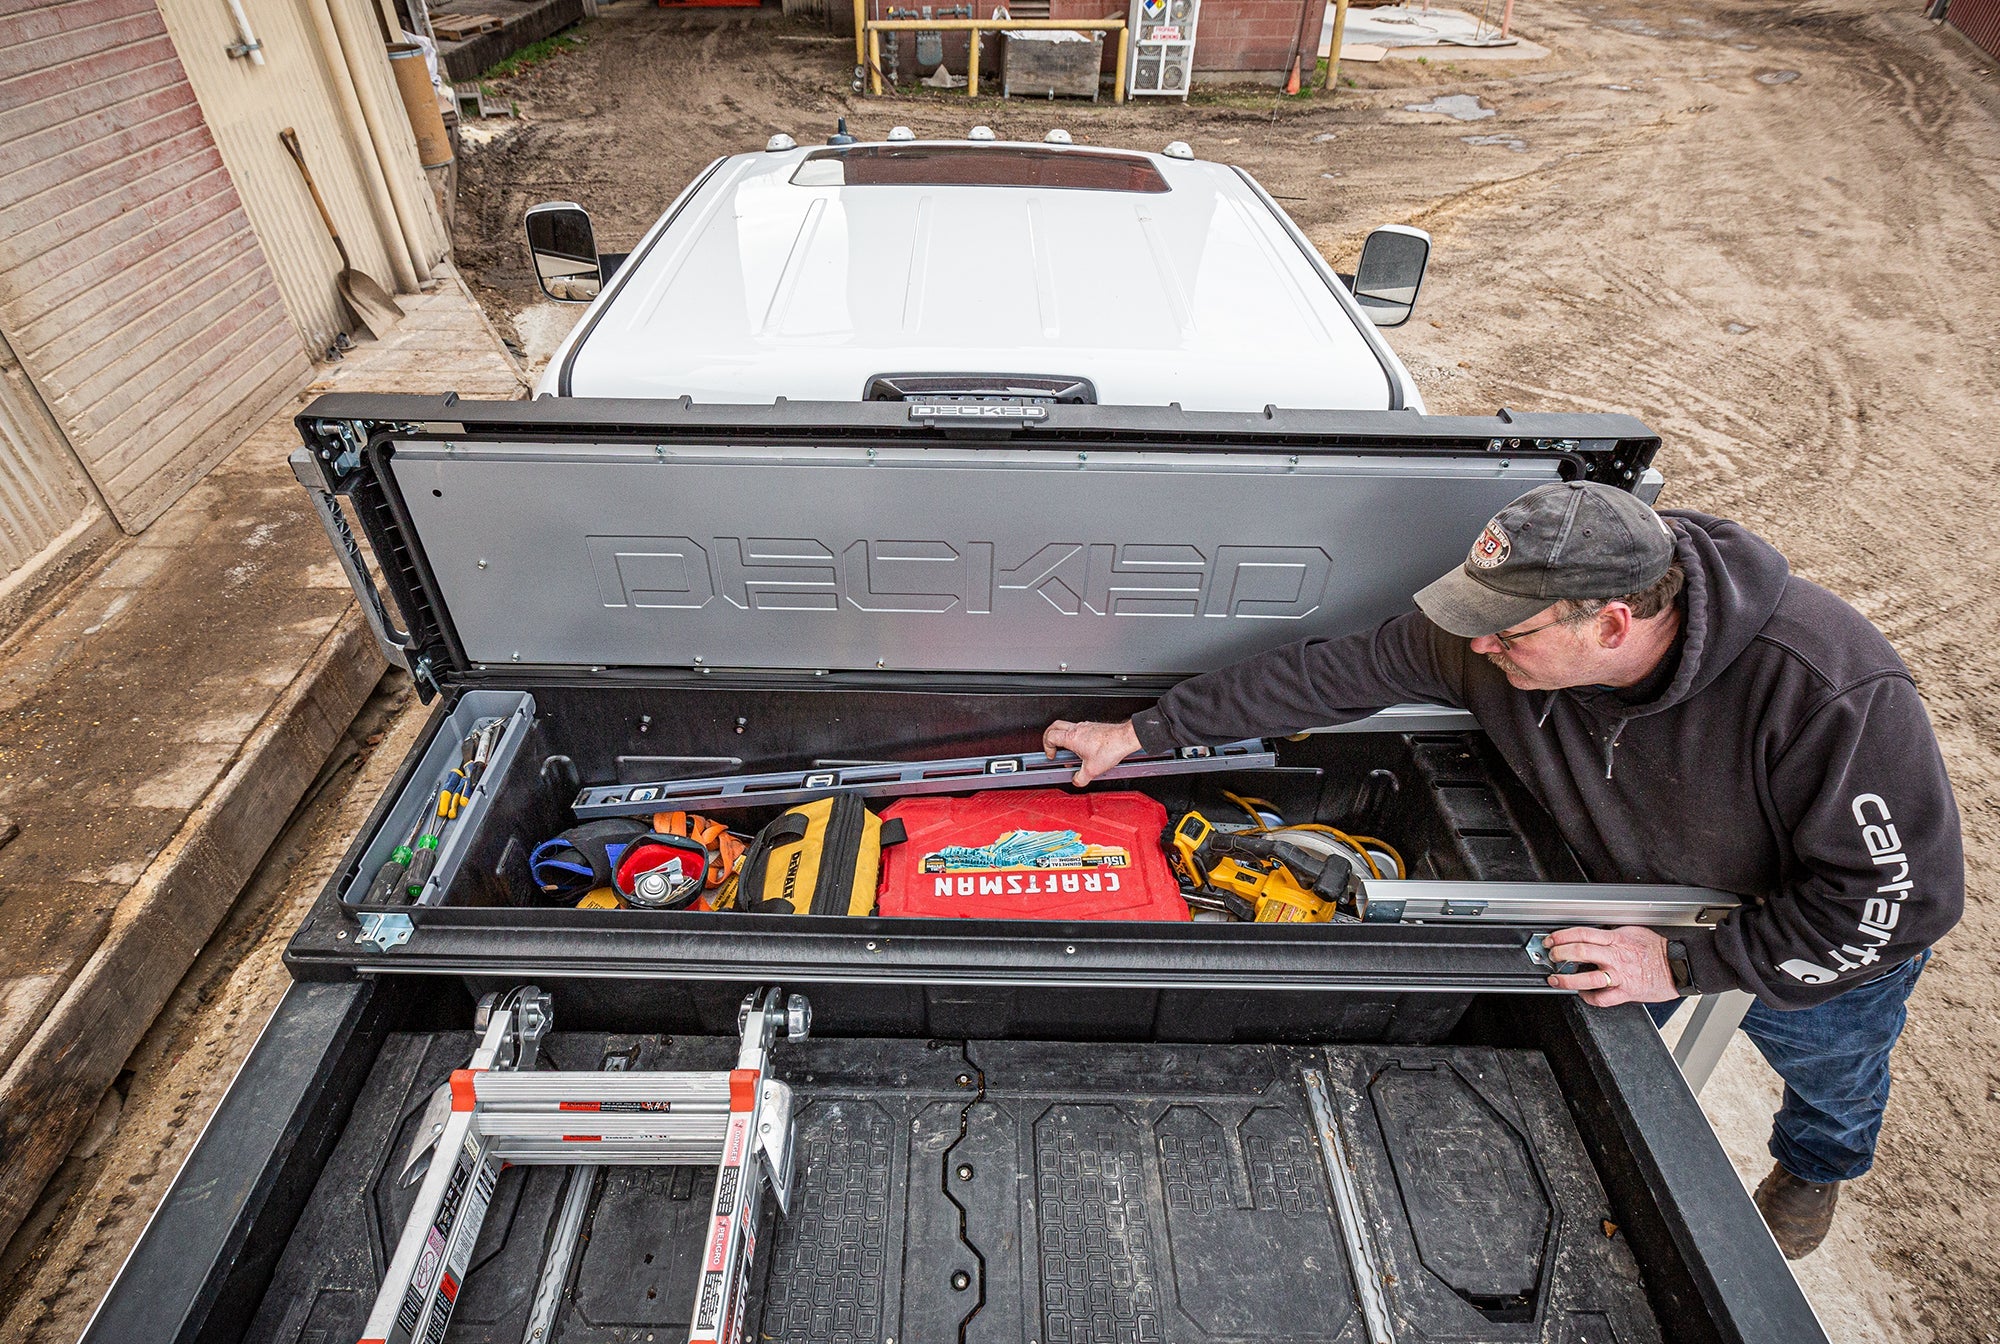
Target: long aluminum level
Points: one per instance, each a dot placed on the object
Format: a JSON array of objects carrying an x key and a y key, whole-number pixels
[
  {"x": 900, "y": 779},
  {"x": 1382, "y": 901}
]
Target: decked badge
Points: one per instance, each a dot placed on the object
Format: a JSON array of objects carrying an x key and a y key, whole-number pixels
[{"x": 1492, "y": 548}]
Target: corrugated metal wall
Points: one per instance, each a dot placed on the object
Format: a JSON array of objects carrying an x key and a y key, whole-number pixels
[
  {"x": 131, "y": 285},
  {"x": 42, "y": 493},
  {"x": 1978, "y": 20},
  {"x": 247, "y": 105}
]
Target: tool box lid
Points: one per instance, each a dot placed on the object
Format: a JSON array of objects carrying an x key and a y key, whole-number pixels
[{"x": 624, "y": 538}]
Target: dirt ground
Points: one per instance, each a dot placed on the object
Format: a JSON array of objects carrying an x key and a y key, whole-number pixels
[{"x": 1767, "y": 229}]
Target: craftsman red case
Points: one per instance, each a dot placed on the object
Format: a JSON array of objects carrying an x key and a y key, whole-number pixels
[{"x": 1121, "y": 873}]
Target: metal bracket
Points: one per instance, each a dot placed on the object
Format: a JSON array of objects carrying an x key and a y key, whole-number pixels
[
  {"x": 394, "y": 643},
  {"x": 386, "y": 931},
  {"x": 1538, "y": 955},
  {"x": 774, "y": 1140},
  {"x": 422, "y": 673}
]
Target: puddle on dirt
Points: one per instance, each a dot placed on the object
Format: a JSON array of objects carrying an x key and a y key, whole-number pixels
[
  {"x": 1512, "y": 142},
  {"x": 1777, "y": 76},
  {"x": 1464, "y": 106}
]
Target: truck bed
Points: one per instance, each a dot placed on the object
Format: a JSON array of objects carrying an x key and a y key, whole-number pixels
[{"x": 1032, "y": 1191}]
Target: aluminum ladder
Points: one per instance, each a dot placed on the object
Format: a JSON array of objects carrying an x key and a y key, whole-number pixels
[{"x": 504, "y": 1111}]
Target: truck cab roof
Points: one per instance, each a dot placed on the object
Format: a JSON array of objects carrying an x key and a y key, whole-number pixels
[{"x": 845, "y": 272}]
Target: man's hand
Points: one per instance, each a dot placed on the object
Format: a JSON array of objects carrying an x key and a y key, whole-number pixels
[
  {"x": 1099, "y": 745},
  {"x": 1630, "y": 965}
]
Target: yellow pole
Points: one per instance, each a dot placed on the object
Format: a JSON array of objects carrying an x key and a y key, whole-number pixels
[
  {"x": 1333, "y": 53},
  {"x": 972, "y": 64},
  {"x": 1124, "y": 50},
  {"x": 860, "y": 31},
  {"x": 875, "y": 62}
]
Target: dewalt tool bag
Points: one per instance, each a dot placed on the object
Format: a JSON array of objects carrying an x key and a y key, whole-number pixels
[{"x": 820, "y": 858}]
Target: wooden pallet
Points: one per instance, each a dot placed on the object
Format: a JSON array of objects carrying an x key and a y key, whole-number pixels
[{"x": 458, "y": 27}]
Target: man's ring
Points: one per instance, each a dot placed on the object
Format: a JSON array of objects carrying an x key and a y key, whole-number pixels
[{"x": 1607, "y": 978}]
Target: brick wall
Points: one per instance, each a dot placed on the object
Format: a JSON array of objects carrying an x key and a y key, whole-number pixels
[
  {"x": 1249, "y": 40},
  {"x": 1256, "y": 39},
  {"x": 1235, "y": 40},
  {"x": 1979, "y": 20}
]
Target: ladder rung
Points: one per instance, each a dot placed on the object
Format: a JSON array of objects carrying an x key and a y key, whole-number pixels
[
  {"x": 550, "y": 1153},
  {"x": 692, "y": 1131},
  {"x": 581, "y": 1091}
]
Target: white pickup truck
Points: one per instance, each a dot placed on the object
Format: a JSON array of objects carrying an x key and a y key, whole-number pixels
[{"x": 982, "y": 269}]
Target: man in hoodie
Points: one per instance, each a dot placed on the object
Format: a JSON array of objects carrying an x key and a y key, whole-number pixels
[{"x": 1688, "y": 711}]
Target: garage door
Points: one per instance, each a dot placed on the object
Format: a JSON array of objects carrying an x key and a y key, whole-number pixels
[
  {"x": 1978, "y": 20},
  {"x": 131, "y": 286}
]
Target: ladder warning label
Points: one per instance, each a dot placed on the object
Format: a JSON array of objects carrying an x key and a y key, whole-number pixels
[
  {"x": 718, "y": 1243},
  {"x": 473, "y": 1214},
  {"x": 711, "y": 1302}
]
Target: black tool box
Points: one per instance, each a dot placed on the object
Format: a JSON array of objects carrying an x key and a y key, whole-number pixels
[{"x": 1019, "y": 1131}]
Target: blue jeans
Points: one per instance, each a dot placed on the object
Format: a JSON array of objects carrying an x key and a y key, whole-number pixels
[{"x": 1834, "y": 1058}]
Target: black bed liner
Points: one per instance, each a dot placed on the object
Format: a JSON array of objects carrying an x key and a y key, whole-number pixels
[{"x": 1078, "y": 1192}]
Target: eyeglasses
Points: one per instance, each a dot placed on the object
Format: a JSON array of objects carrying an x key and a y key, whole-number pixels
[{"x": 1508, "y": 641}]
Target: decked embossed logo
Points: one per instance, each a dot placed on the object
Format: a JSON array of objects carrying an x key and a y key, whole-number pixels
[{"x": 1492, "y": 548}]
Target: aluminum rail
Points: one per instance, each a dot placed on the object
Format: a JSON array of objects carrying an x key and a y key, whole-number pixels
[{"x": 1656, "y": 905}]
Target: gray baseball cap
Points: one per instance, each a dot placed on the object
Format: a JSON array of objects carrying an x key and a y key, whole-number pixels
[{"x": 1572, "y": 539}]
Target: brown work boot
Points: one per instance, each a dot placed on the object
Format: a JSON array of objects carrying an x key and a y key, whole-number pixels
[{"x": 1797, "y": 1212}]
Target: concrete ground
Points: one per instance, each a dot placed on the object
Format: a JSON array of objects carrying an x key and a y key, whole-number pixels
[{"x": 159, "y": 724}]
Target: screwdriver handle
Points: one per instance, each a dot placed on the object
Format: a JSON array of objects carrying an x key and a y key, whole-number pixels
[
  {"x": 421, "y": 865},
  {"x": 389, "y": 875}
]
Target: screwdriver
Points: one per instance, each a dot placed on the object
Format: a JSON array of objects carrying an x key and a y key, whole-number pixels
[
  {"x": 424, "y": 860},
  {"x": 474, "y": 753},
  {"x": 389, "y": 876}
]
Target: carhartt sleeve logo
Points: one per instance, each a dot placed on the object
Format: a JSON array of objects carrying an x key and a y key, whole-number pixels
[
  {"x": 1879, "y": 912},
  {"x": 1492, "y": 548}
]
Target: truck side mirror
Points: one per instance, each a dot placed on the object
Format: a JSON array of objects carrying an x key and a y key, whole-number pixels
[
  {"x": 565, "y": 252},
  {"x": 1390, "y": 273}
]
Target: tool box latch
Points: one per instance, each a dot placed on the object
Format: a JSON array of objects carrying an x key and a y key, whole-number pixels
[{"x": 385, "y": 931}]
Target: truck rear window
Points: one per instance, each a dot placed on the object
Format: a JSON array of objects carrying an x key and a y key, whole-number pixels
[{"x": 976, "y": 166}]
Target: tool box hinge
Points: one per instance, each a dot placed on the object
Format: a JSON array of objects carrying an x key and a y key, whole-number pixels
[{"x": 421, "y": 673}]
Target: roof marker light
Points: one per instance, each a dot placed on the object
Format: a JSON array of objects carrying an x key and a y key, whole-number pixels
[
  {"x": 778, "y": 142},
  {"x": 1058, "y": 136},
  {"x": 1178, "y": 149},
  {"x": 901, "y": 133},
  {"x": 981, "y": 133}
]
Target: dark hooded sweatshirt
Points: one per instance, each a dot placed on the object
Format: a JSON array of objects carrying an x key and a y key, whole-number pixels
[{"x": 1786, "y": 759}]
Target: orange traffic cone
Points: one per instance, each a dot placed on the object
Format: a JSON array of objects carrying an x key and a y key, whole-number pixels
[{"x": 1292, "y": 82}]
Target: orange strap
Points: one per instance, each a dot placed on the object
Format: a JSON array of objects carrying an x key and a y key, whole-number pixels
[{"x": 725, "y": 851}]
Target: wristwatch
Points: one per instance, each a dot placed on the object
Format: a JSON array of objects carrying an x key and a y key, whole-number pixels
[{"x": 1677, "y": 966}]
